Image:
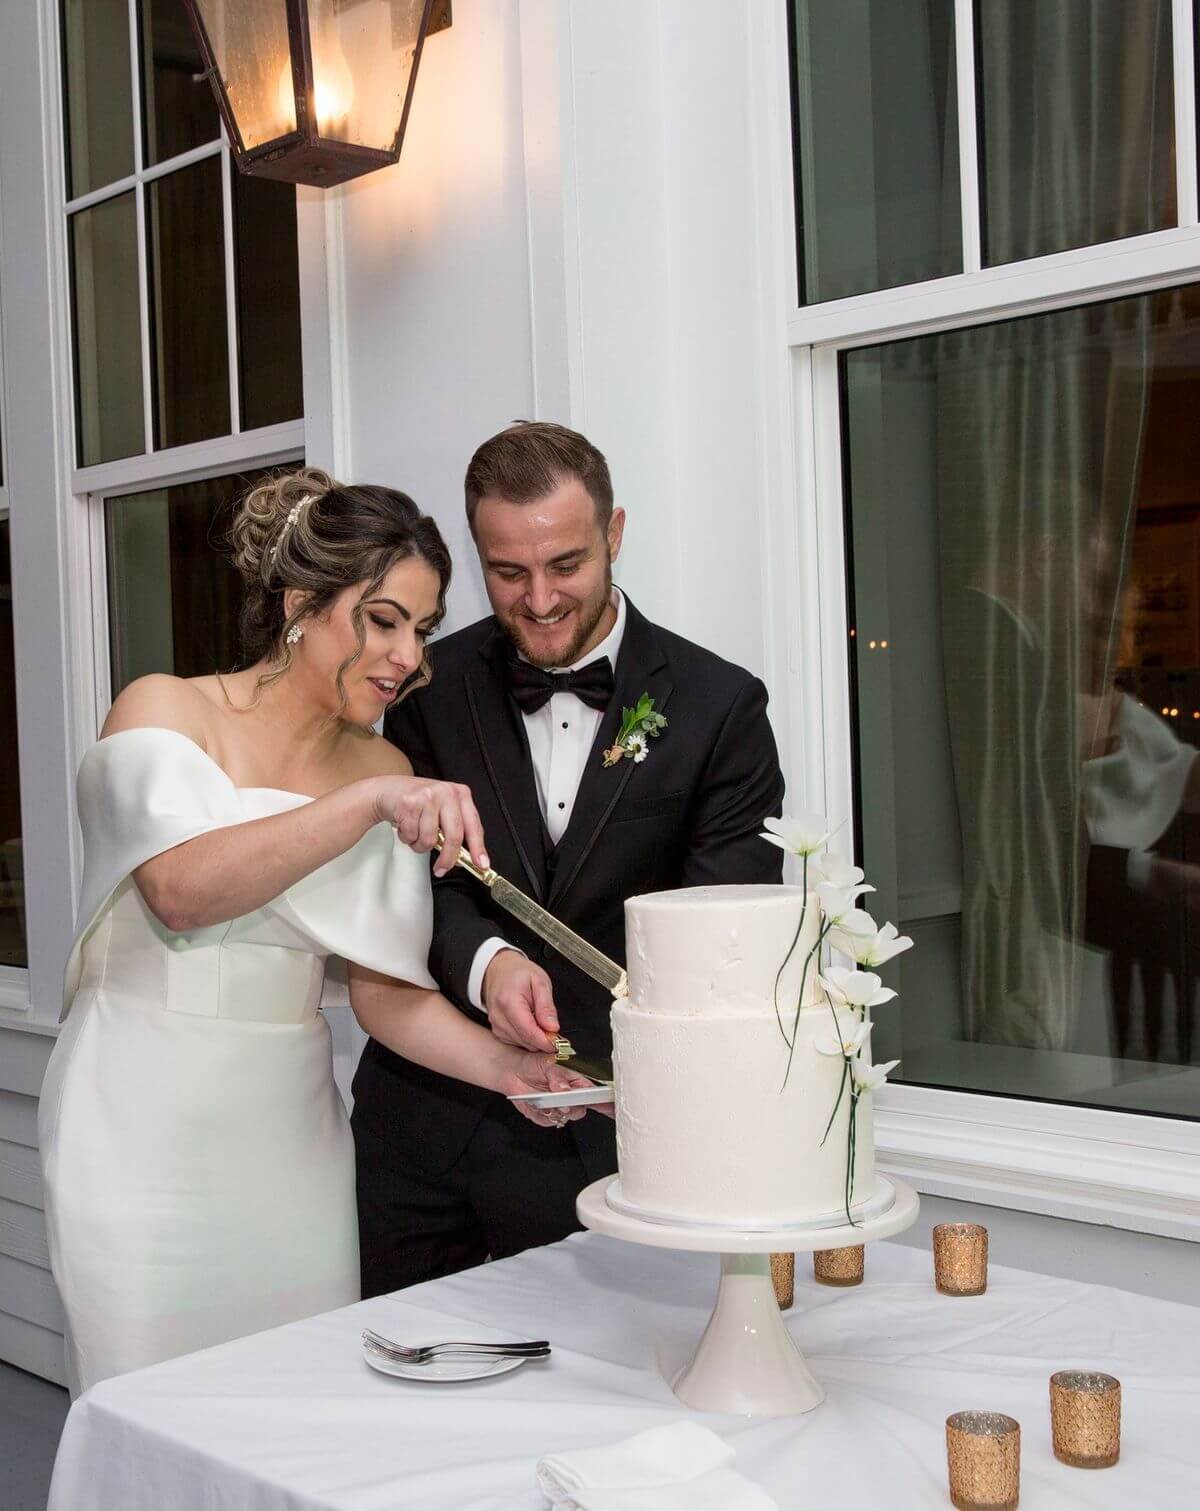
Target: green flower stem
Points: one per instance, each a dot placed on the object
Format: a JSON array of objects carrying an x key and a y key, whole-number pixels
[
  {"x": 816, "y": 950},
  {"x": 854, "y": 1096},
  {"x": 788, "y": 956},
  {"x": 838, "y": 1103}
]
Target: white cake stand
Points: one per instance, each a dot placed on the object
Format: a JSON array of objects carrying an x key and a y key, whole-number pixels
[{"x": 747, "y": 1362}]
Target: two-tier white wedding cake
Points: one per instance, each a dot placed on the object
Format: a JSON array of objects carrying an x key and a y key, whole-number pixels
[{"x": 723, "y": 1098}]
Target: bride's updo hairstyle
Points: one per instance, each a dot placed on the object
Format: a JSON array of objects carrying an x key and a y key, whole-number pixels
[{"x": 304, "y": 530}]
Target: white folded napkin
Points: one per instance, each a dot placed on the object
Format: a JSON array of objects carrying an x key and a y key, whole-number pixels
[{"x": 679, "y": 1467}]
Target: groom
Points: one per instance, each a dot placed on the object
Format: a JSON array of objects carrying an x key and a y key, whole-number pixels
[{"x": 526, "y": 708}]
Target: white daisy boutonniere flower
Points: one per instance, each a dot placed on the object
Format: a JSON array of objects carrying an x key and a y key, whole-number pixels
[{"x": 639, "y": 725}]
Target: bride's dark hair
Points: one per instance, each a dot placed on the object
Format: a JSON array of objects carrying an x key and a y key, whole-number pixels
[{"x": 304, "y": 530}]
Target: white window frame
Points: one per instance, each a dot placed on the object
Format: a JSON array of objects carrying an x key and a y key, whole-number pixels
[
  {"x": 1119, "y": 1168},
  {"x": 61, "y": 627}
]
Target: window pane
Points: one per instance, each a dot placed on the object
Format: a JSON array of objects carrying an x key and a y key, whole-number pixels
[
  {"x": 268, "y": 297},
  {"x": 179, "y": 111},
  {"x": 107, "y": 331},
  {"x": 12, "y": 886},
  {"x": 1025, "y": 542},
  {"x": 98, "y": 111},
  {"x": 876, "y": 144},
  {"x": 1076, "y": 119},
  {"x": 174, "y": 598},
  {"x": 189, "y": 351}
]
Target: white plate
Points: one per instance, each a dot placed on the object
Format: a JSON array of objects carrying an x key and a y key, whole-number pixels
[
  {"x": 443, "y": 1371},
  {"x": 582, "y": 1096}
]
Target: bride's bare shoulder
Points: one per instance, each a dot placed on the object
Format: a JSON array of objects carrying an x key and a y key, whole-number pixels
[
  {"x": 160, "y": 701},
  {"x": 372, "y": 755}
]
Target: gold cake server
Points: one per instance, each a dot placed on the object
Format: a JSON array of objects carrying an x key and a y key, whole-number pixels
[{"x": 591, "y": 961}]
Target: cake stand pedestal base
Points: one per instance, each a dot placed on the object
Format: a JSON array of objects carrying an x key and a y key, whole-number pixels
[{"x": 747, "y": 1362}]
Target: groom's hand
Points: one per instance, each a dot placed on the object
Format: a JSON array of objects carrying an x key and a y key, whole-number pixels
[{"x": 518, "y": 998}]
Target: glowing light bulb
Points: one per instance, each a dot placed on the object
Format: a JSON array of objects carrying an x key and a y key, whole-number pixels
[{"x": 333, "y": 87}]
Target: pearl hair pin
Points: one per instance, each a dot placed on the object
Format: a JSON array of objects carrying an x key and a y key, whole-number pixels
[{"x": 293, "y": 516}]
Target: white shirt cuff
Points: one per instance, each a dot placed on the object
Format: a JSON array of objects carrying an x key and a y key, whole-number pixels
[
  {"x": 1137, "y": 869},
  {"x": 484, "y": 956}
]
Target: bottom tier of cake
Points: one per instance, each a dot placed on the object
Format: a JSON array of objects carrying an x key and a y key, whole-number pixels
[{"x": 708, "y": 1132}]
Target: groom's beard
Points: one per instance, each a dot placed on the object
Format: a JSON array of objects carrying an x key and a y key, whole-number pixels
[{"x": 589, "y": 615}]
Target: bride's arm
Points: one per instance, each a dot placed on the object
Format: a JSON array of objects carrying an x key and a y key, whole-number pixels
[
  {"x": 231, "y": 871},
  {"x": 419, "y": 1023}
]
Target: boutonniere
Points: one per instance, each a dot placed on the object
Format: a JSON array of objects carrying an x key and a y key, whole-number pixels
[{"x": 639, "y": 725}]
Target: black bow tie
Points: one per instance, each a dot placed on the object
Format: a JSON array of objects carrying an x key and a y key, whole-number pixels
[{"x": 532, "y": 688}]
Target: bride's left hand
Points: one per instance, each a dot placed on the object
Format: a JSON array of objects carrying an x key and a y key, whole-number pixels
[{"x": 531, "y": 1072}]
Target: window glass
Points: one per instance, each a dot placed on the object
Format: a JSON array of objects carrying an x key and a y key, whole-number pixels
[
  {"x": 1025, "y": 566},
  {"x": 174, "y": 596},
  {"x": 268, "y": 301},
  {"x": 179, "y": 110},
  {"x": 876, "y": 140},
  {"x": 109, "y": 412},
  {"x": 98, "y": 114},
  {"x": 1076, "y": 123},
  {"x": 189, "y": 342},
  {"x": 12, "y": 885}
]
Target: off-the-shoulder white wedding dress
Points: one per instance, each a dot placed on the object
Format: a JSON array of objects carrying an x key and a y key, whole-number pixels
[{"x": 199, "y": 1169}]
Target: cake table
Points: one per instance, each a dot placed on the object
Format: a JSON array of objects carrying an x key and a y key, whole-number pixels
[{"x": 747, "y": 1362}]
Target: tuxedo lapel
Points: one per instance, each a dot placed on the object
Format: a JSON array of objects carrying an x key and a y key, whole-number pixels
[
  {"x": 641, "y": 668},
  {"x": 504, "y": 746}
]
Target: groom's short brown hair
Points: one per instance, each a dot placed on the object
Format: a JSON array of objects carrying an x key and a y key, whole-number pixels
[{"x": 532, "y": 458}]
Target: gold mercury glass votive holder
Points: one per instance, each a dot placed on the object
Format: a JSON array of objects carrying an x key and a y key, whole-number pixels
[
  {"x": 783, "y": 1278},
  {"x": 984, "y": 1453},
  {"x": 960, "y": 1258},
  {"x": 1085, "y": 1418},
  {"x": 839, "y": 1266}
]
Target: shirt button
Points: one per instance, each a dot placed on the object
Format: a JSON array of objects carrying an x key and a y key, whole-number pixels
[
  {"x": 566, "y": 725},
  {"x": 562, "y": 805}
]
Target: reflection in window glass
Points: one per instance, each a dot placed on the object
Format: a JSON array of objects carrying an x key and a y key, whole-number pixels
[
  {"x": 189, "y": 344},
  {"x": 1076, "y": 123},
  {"x": 179, "y": 111},
  {"x": 1025, "y": 563},
  {"x": 98, "y": 102},
  {"x": 268, "y": 301},
  {"x": 876, "y": 146},
  {"x": 106, "y": 316},
  {"x": 12, "y": 885},
  {"x": 174, "y": 596}
]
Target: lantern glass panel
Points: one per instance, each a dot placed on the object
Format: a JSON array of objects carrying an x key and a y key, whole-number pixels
[
  {"x": 363, "y": 52},
  {"x": 249, "y": 39}
]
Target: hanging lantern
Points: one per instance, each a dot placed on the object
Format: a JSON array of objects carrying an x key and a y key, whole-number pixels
[{"x": 314, "y": 91}]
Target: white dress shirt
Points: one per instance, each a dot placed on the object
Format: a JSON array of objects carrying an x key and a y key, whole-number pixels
[{"x": 560, "y": 734}]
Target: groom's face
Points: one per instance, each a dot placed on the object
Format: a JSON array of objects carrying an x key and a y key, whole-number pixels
[{"x": 547, "y": 566}]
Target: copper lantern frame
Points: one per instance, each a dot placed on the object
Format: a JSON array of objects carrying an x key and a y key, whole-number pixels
[{"x": 304, "y": 156}]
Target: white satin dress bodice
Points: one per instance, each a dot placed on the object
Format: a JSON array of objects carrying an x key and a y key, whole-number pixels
[{"x": 199, "y": 1169}]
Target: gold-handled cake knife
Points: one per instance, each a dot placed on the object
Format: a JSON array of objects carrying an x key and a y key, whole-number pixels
[{"x": 591, "y": 961}]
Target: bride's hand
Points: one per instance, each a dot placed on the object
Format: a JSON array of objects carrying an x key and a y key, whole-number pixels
[
  {"x": 532, "y": 1072},
  {"x": 420, "y": 806}
]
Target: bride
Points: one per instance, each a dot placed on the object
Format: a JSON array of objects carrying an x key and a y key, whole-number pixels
[{"x": 199, "y": 1170}]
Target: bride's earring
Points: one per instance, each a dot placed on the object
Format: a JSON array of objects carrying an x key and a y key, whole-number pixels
[{"x": 295, "y": 635}]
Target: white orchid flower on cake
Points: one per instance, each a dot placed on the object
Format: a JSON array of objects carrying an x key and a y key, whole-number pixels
[
  {"x": 868, "y": 1077},
  {"x": 870, "y": 947},
  {"x": 846, "y": 1039},
  {"x": 838, "y": 872},
  {"x": 837, "y": 904},
  {"x": 798, "y": 834},
  {"x": 857, "y": 989}
]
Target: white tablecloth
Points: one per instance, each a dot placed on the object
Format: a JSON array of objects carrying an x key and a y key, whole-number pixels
[{"x": 293, "y": 1420}]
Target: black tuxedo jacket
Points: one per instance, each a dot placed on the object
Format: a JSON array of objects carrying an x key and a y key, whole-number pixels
[{"x": 688, "y": 815}]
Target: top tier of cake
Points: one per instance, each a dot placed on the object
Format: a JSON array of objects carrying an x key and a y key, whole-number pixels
[{"x": 705, "y": 951}]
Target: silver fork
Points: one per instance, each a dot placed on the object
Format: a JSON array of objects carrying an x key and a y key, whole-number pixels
[{"x": 406, "y": 1354}]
